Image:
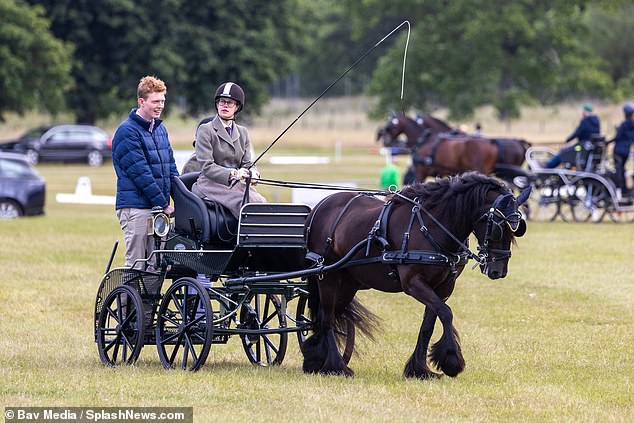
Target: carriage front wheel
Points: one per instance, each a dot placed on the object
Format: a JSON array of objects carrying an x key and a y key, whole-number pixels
[
  {"x": 120, "y": 327},
  {"x": 345, "y": 340},
  {"x": 184, "y": 325},
  {"x": 261, "y": 315}
]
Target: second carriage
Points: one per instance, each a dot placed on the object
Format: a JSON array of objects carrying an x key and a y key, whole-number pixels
[{"x": 582, "y": 190}]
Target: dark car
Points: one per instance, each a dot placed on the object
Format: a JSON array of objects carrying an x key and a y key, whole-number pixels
[
  {"x": 22, "y": 189},
  {"x": 63, "y": 143}
]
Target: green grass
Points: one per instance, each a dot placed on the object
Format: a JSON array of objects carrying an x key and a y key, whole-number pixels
[{"x": 551, "y": 342}]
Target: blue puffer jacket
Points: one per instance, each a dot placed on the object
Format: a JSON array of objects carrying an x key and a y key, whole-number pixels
[
  {"x": 588, "y": 126},
  {"x": 624, "y": 138},
  {"x": 144, "y": 163}
]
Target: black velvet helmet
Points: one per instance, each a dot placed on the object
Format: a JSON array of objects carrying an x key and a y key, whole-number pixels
[{"x": 230, "y": 90}]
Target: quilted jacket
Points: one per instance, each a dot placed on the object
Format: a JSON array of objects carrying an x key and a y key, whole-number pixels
[{"x": 144, "y": 163}]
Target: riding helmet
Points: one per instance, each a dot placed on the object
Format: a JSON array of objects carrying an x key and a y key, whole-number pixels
[
  {"x": 628, "y": 109},
  {"x": 230, "y": 90}
]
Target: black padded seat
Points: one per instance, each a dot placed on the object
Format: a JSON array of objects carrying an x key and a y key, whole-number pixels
[{"x": 212, "y": 226}]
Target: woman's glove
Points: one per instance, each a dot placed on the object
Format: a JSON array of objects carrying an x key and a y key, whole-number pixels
[{"x": 243, "y": 174}]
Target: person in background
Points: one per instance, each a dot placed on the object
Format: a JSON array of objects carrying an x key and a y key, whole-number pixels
[
  {"x": 390, "y": 176},
  {"x": 223, "y": 149},
  {"x": 588, "y": 126},
  {"x": 144, "y": 164},
  {"x": 623, "y": 140}
]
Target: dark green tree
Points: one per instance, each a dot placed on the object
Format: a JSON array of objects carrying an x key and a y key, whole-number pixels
[
  {"x": 610, "y": 38},
  {"x": 34, "y": 65},
  {"x": 477, "y": 52},
  {"x": 193, "y": 45}
]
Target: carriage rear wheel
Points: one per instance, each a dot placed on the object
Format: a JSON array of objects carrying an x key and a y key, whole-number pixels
[
  {"x": 590, "y": 201},
  {"x": 120, "y": 327},
  {"x": 261, "y": 313},
  {"x": 544, "y": 204},
  {"x": 345, "y": 339},
  {"x": 184, "y": 325},
  {"x": 624, "y": 215}
]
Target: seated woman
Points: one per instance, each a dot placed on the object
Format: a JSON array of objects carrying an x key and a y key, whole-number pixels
[{"x": 223, "y": 150}]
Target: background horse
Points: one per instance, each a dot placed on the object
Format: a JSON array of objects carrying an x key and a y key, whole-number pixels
[
  {"x": 510, "y": 151},
  {"x": 426, "y": 226}
]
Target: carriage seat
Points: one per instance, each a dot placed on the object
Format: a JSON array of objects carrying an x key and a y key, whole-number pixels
[{"x": 213, "y": 225}]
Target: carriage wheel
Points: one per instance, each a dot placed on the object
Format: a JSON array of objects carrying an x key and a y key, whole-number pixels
[
  {"x": 184, "y": 325},
  {"x": 345, "y": 340},
  {"x": 624, "y": 216},
  {"x": 121, "y": 327},
  {"x": 263, "y": 311},
  {"x": 544, "y": 204},
  {"x": 590, "y": 201}
]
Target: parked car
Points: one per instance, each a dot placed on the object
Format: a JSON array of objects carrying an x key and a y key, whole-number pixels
[
  {"x": 63, "y": 143},
  {"x": 22, "y": 189}
]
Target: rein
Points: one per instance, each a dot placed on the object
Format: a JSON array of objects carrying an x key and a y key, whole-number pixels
[{"x": 418, "y": 207}]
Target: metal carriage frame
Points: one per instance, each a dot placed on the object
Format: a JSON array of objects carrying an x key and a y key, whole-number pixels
[
  {"x": 216, "y": 292},
  {"x": 583, "y": 191}
]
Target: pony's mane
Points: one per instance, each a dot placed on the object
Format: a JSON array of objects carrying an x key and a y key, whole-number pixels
[
  {"x": 438, "y": 122},
  {"x": 454, "y": 197}
]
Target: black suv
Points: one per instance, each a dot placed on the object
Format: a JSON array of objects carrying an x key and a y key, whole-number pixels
[{"x": 63, "y": 143}]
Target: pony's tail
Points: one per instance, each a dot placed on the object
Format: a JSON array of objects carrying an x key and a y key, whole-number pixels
[
  {"x": 361, "y": 317},
  {"x": 355, "y": 313}
]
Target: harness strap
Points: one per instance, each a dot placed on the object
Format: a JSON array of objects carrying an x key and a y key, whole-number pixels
[
  {"x": 394, "y": 258},
  {"x": 330, "y": 238},
  {"x": 408, "y": 231},
  {"x": 379, "y": 230}
]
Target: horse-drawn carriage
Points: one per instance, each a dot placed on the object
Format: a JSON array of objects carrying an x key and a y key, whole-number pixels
[
  {"x": 286, "y": 269},
  {"x": 581, "y": 190}
]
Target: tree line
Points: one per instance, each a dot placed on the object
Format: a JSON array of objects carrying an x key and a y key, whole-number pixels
[{"x": 86, "y": 56}]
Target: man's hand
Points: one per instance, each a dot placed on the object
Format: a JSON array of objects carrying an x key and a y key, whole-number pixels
[{"x": 169, "y": 210}]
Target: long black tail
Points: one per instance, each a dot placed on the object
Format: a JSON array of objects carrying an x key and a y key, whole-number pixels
[{"x": 363, "y": 319}]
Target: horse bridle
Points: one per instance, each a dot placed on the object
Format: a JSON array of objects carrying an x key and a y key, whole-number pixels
[{"x": 495, "y": 221}]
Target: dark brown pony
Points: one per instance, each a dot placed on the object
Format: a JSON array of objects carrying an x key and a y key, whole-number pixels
[
  {"x": 438, "y": 149},
  {"x": 415, "y": 243}
]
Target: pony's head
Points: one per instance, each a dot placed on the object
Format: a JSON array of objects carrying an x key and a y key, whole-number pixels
[
  {"x": 496, "y": 230},
  {"x": 396, "y": 125}
]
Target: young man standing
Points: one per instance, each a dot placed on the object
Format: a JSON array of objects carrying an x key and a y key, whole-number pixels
[{"x": 144, "y": 163}]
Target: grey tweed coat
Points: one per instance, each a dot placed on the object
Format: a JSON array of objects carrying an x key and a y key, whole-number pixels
[{"x": 218, "y": 152}]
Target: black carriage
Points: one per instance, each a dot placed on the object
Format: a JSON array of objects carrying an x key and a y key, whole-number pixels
[
  {"x": 581, "y": 190},
  {"x": 227, "y": 278}
]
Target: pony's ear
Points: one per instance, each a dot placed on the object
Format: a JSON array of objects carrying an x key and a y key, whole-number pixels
[
  {"x": 526, "y": 192},
  {"x": 420, "y": 120},
  {"x": 392, "y": 114}
]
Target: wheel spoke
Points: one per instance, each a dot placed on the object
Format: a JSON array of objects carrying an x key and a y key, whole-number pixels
[
  {"x": 112, "y": 343},
  {"x": 191, "y": 346},
  {"x": 175, "y": 350}
]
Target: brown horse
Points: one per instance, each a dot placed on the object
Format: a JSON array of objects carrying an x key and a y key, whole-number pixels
[
  {"x": 415, "y": 243},
  {"x": 438, "y": 160}
]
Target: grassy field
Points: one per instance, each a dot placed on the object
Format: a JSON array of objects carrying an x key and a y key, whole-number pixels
[{"x": 551, "y": 342}]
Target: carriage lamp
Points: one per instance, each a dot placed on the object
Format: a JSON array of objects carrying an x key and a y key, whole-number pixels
[{"x": 160, "y": 224}]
